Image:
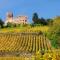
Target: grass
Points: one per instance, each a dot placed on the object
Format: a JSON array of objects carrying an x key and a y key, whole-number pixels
[{"x": 26, "y": 29}]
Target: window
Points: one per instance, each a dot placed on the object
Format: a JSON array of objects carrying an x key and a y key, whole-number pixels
[{"x": 25, "y": 20}]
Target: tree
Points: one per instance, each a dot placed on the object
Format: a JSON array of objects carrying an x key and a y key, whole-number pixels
[
  {"x": 1, "y": 23},
  {"x": 10, "y": 24},
  {"x": 43, "y": 21},
  {"x": 35, "y": 18},
  {"x": 50, "y": 22}
]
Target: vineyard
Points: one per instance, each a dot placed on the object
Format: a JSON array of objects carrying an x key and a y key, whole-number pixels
[
  {"x": 30, "y": 42},
  {"x": 23, "y": 45},
  {"x": 25, "y": 29}
]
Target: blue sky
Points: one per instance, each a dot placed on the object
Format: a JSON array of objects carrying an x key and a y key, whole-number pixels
[{"x": 44, "y": 8}]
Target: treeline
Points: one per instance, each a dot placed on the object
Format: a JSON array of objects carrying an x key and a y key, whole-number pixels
[
  {"x": 41, "y": 21},
  {"x": 35, "y": 21}
]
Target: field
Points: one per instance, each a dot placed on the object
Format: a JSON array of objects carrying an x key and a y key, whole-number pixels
[
  {"x": 25, "y": 29},
  {"x": 26, "y": 44}
]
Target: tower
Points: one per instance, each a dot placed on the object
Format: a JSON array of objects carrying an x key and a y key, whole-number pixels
[{"x": 9, "y": 16}]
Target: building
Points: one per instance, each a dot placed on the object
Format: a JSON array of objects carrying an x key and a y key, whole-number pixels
[{"x": 16, "y": 20}]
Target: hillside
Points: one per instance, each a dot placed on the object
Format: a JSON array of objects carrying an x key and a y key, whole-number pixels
[
  {"x": 25, "y": 29},
  {"x": 24, "y": 42}
]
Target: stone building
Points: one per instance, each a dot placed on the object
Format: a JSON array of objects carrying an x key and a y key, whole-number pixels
[{"x": 16, "y": 20}]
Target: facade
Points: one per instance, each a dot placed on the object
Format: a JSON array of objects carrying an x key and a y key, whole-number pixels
[{"x": 16, "y": 20}]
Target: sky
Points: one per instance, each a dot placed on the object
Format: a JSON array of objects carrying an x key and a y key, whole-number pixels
[{"x": 44, "y": 8}]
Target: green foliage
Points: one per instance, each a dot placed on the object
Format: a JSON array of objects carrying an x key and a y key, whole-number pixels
[
  {"x": 35, "y": 25},
  {"x": 43, "y": 21},
  {"x": 25, "y": 25},
  {"x": 50, "y": 22},
  {"x": 18, "y": 25},
  {"x": 1, "y": 23},
  {"x": 9, "y": 24},
  {"x": 54, "y": 33},
  {"x": 35, "y": 18}
]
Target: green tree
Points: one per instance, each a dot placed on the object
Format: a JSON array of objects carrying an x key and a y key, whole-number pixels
[
  {"x": 1, "y": 23},
  {"x": 10, "y": 24},
  {"x": 35, "y": 18},
  {"x": 43, "y": 21},
  {"x": 50, "y": 22}
]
